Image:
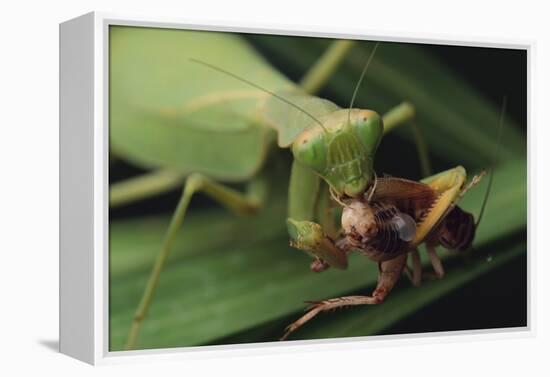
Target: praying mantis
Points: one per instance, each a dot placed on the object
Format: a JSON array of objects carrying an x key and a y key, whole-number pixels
[{"x": 249, "y": 110}]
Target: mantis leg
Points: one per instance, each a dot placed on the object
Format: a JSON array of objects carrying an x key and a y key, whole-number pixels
[
  {"x": 310, "y": 237},
  {"x": 305, "y": 198},
  {"x": 390, "y": 271},
  {"x": 162, "y": 180},
  {"x": 323, "y": 69},
  {"x": 405, "y": 113},
  {"x": 235, "y": 201},
  {"x": 143, "y": 186}
]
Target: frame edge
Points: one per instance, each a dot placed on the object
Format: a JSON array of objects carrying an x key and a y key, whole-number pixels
[{"x": 76, "y": 188}]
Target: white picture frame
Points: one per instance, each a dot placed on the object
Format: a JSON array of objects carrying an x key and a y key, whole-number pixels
[{"x": 84, "y": 193}]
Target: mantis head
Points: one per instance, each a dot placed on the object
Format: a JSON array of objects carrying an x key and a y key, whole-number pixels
[
  {"x": 341, "y": 148},
  {"x": 342, "y": 151}
]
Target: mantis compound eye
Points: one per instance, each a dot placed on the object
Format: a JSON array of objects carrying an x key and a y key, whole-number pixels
[
  {"x": 404, "y": 225},
  {"x": 369, "y": 127},
  {"x": 310, "y": 149}
]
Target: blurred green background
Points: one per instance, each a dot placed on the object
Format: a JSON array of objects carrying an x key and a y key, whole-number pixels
[{"x": 235, "y": 279}]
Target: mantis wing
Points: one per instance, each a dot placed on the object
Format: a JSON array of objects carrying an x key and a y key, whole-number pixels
[
  {"x": 289, "y": 121},
  {"x": 167, "y": 111}
]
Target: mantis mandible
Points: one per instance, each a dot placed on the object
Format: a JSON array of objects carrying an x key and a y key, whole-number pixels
[{"x": 195, "y": 108}]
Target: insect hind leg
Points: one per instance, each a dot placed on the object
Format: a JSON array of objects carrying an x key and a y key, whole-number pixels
[
  {"x": 436, "y": 262},
  {"x": 390, "y": 271},
  {"x": 330, "y": 304},
  {"x": 414, "y": 274}
]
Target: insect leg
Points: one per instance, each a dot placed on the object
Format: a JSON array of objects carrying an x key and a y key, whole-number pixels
[
  {"x": 162, "y": 180},
  {"x": 309, "y": 237},
  {"x": 328, "y": 217},
  {"x": 405, "y": 113},
  {"x": 143, "y": 186},
  {"x": 448, "y": 185},
  {"x": 236, "y": 201},
  {"x": 305, "y": 194},
  {"x": 390, "y": 271},
  {"x": 415, "y": 275},
  {"x": 325, "y": 66},
  {"x": 436, "y": 262}
]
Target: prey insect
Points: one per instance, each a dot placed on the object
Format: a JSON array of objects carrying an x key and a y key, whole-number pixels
[
  {"x": 209, "y": 136},
  {"x": 388, "y": 223}
]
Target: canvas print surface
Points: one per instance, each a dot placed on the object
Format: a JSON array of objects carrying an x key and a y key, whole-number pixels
[{"x": 275, "y": 188}]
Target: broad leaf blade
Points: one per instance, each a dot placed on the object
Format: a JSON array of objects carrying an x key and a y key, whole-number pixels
[
  {"x": 250, "y": 276},
  {"x": 372, "y": 320}
]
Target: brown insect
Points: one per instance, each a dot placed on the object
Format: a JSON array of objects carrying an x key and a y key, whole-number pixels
[{"x": 389, "y": 222}]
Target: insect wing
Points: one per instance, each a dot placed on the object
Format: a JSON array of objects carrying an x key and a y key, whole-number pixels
[
  {"x": 290, "y": 121},
  {"x": 412, "y": 198},
  {"x": 167, "y": 111}
]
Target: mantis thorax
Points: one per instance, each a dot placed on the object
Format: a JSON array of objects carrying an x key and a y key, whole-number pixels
[{"x": 342, "y": 151}]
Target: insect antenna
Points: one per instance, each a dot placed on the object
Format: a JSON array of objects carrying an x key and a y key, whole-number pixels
[
  {"x": 335, "y": 197},
  {"x": 495, "y": 161},
  {"x": 361, "y": 79},
  {"x": 221, "y": 70},
  {"x": 373, "y": 188}
]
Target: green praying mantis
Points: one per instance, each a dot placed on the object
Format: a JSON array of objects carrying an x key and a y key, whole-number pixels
[{"x": 219, "y": 124}]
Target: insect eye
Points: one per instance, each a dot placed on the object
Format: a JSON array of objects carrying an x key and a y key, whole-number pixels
[
  {"x": 310, "y": 149},
  {"x": 405, "y": 226},
  {"x": 370, "y": 128}
]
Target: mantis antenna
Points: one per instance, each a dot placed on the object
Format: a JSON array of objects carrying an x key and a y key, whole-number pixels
[
  {"x": 260, "y": 88},
  {"x": 495, "y": 160},
  {"x": 361, "y": 80}
]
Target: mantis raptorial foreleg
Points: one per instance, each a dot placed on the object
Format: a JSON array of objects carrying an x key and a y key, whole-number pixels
[
  {"x": 156, "y": 182},
  {"x": 450, "y": 186},
  {"x": 305, "y": 194},
  {"x": 308, "y": 230},
  {"x": 309, "y": 237},
  {"x": 162, "y": 180},
  {"x": 240, "y": 203}
]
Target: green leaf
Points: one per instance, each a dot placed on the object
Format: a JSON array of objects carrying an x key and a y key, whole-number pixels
[
  {"x": 229, "y": 274},
  {"x": 372, "y": 320},
  {"x": 232, "y": 279}
]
